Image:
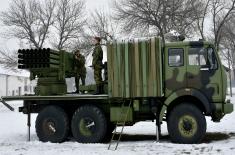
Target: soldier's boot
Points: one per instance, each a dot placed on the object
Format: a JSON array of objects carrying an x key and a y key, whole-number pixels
[
  {"x": 97, "y": 90},
  {"x": 101, "y": 89},
  {"x": 77, "y": 89},
  {"x": 83, "y": 84}
]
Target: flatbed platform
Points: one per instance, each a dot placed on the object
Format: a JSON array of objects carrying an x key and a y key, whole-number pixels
[{"x": 57, "y": 97}]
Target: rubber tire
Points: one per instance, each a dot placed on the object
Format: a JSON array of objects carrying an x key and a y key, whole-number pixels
[
  {"x": 99, "y": 119},
  {"x": 173, "y": 120},
  {"x": 61, "y": 121}
]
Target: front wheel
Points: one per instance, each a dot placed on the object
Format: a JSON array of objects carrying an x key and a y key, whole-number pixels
[{"x": 186, "y": 124}]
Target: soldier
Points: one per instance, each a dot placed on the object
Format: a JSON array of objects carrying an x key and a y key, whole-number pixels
[
  {"x": 97, "y": 65},
  {"x": 80, "y": 69}
]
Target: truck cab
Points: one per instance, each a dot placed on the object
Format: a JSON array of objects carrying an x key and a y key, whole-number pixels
[{"x": 193, "y": 69}]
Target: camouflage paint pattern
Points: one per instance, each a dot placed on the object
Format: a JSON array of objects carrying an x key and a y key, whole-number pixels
[
  {"x": 79, "y": 66},
  {"x": 191, "y": 80},
  {"x": 204, "y": 79},
  {"x": 80, "y": 70},
  {"x": 97, "y": 63},
  {"x": 97, "y": 75}
]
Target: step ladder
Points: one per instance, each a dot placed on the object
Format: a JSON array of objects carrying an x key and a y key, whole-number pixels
[{"x": 116, "y": 134}]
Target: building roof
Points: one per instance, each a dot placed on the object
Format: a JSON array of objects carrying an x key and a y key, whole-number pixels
[{"x": 17, "y": 72}]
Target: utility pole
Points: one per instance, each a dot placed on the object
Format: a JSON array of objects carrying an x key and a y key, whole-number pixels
[
  {"x": 230, "y": 76},
  {"x": 7, "y": 84}
]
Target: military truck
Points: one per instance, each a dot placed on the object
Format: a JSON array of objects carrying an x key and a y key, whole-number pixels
[{"x": 179, "y": 82}]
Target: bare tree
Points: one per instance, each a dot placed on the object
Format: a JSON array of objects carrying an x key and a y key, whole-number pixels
[
  {"x": 45, "y": 14},
  {"x": 69, "y": 22},
  {"x": 227, "y": 47},
  {"x": 222, "y": 11},
  {"x": 201, "y": 15},
  {"x": 34, "y": 21},
  {"x": 162, "y": 15},
  {"x": 84, "y": 44},
  {"x": 8, "y": 59},
  {"x": 29, "y": 20},
  {"x": 101, "y": 24}
]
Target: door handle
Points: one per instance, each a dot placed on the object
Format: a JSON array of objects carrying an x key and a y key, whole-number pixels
[{"x": 204, "y": 69}]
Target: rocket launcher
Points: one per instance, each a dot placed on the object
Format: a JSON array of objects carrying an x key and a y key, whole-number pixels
[{"x": 49, "y": 67}]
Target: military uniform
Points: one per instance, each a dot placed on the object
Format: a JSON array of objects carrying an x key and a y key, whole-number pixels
[
  {"x": 97, "y": 66},
  {"x": 97, "y": 63},
  {"x": 80, "y": 70}
]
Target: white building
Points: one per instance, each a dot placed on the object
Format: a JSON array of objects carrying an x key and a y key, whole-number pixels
[{"x": 15, "y": 83}]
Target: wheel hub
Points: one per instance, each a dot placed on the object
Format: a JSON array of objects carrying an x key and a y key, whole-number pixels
[
  {"x": 87, "y": 126},
  {"x": 49, "y": 127},
  {"x": 187, "y": 126}
]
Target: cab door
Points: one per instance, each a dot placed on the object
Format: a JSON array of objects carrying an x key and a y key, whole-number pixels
[
  {"x": 203, "y": 73},
  {"x": 175, "y": 69}
]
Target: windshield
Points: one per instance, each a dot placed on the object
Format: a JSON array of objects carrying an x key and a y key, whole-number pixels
[{"x": 201, "y": 56}]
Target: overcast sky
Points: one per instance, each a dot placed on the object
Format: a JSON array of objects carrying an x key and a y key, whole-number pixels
[{"x": 90, "y": 5}]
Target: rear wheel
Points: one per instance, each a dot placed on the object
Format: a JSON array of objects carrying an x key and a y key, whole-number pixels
[
  {"x": 186, "y": 124},
  {"x": 89, "y": 125},
  {"x": 52, "y": 125}
]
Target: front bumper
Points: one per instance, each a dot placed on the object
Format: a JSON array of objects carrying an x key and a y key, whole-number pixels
[
  {"x": 222, "y": 109},
  {"x": 228, "y": 107},
  {"x": 225, "y": 108}
]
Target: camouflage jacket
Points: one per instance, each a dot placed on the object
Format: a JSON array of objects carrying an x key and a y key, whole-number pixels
[
  {"x": 79, "y": 65},
  {"x": 97, "y": 56}
]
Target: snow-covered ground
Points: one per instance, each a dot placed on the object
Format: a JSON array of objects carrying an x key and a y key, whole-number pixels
[{"x": 138, "y": 139}]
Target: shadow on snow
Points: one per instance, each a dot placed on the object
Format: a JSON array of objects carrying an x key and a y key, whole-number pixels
[{"x": 209, "y": 137}]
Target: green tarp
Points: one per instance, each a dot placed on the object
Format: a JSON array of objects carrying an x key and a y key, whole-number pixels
[{"x": 135, "y": 68}]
